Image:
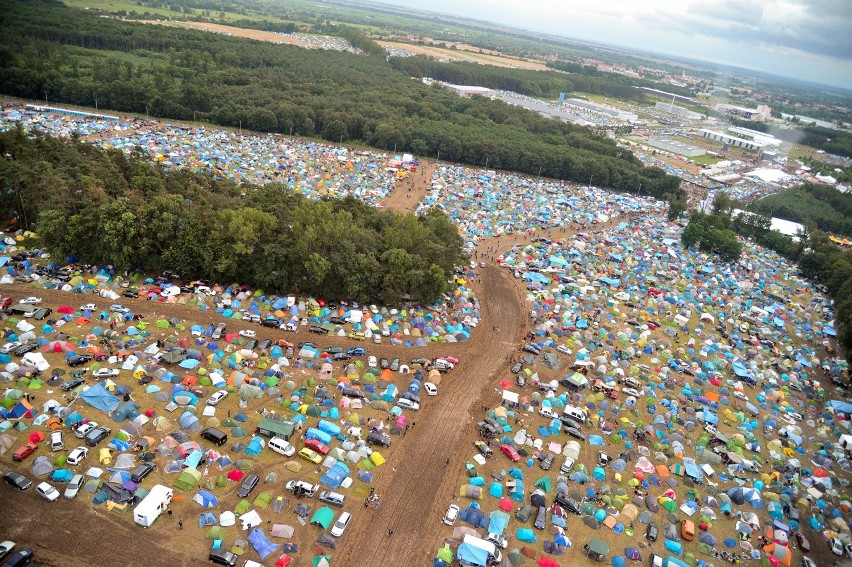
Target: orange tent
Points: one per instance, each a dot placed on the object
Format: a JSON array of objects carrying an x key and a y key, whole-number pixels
[
  {"x": 190, "y": 380},
  {"x": 663, "y": 471}
]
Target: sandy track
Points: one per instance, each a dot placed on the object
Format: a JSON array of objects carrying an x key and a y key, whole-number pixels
[{"x": 411, "y": 190}]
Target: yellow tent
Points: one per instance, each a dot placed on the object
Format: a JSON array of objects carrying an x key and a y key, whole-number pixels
[
  {"x": 105, "y": 456},
  {"x": 377, "y": 458}
]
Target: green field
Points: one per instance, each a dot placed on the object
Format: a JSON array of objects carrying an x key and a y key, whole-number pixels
[{"x": 134, "y": 10}]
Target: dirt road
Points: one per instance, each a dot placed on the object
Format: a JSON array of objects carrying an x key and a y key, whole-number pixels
[{"x": 412, "y": 189}]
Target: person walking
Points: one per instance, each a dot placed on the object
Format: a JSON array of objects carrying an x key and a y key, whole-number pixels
[{"x": 180, "y": 524}]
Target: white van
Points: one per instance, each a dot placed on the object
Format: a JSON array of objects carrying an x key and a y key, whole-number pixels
[
  {"x": 407, "y": 404},
  {"x": 152, "y": 505},
  {"x": 547, "y": 412},
  {"x": 576, "y": 414},
  {"x": 56, "y": 441},
  {"x": 281, "y": 446}
]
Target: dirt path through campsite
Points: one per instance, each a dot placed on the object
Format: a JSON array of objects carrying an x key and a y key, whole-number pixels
[
  {"x": 425, "y": 469},
  {"x": 412, "y": 189}
]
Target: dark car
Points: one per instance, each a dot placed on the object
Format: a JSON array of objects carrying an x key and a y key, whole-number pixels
[
  {"x": 79, "y": 359},
  {"x": 333, "y": 350},
  {"x": 132, "y": 293},
  {"x": 576, "y": 433},
  {"x": 376, "y": 438},
  {"x": 383, "y": 362},
  {"x": 547, "y": 462},
  {"x": 24, "y": 349},
  {"x": 540, "y": 518},
  {"x": 40, "y": 314},
  {"x": 803, "y": 542},
  {"x": 214, "y": 435},
  {"x": 97, "y": 435},
  {"x": 270, "y": 322},
  {"x": 72, "y": 383},
  {"x": 142, "y": 471},
  {"x": 222, "y": 557},
  {"x": 341, "y": 356},
  {"x": 356, "y": 351},
  {"x": 517, "y": 367},
  {"x": 248, "y": 484},
  {"x": 264, "y": 344},
  {"x": 569, "y": 504},
  {"x": 20, "y": 558},
  {"x": 651, "y": 532},
  {"x": 17, "y": 480},
  {"x": 318, "y": 330}
]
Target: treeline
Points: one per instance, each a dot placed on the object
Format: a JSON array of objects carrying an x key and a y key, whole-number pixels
[
  {"x": 835, "y": 142},
  {"x": 106, "y": 207},
  {"x": 819, "y": 260},
  {"x": 75, "y": 57},
  {"x": 824, "y": 206}
]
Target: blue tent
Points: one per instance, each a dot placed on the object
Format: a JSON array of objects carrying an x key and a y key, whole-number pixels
[
  {"x": 261, "y": 543},
  {"x": 335, "y": 475},
  {"x": 255, "y": 446},
  {"x": 205, "y": 499},
  {"x": 498, "y": 523},
  {"x": 674, "y": 546},
  {"x": 99, "y": 397},
  {"x": 470, "y": 555},
  {"x": 527, "y": 535},
  {"x": 322, "y": 436},
  {"x": 61, "y": 475}
]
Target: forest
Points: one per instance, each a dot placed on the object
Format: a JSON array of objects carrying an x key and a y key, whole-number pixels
[
  {"x": 107, "y": 207},
  {"x": 50, "y": 51},
  {"x": 822, "y": 206}
]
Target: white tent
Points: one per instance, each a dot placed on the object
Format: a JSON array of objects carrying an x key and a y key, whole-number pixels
[{"x": 250, "y": 520}]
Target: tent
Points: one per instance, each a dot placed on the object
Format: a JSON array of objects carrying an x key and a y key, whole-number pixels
[
  {"x": 205, "y": 499},
  {"x": 99, "y": 397},
  {"x": 323, "y": 517},
  {"x": 188, "y": 479},
  {"x": 261, "y": 543}
]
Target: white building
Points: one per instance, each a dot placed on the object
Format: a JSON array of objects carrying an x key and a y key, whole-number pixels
[
  {"x": 762, "y": 112},
  {"x": 467, "y": 91}
]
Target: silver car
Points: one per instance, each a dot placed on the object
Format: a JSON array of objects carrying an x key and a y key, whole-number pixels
[{"x": 74, "y": 486}]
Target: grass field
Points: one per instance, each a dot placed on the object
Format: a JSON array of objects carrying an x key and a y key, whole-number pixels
[{"x": 129, "y": 7}]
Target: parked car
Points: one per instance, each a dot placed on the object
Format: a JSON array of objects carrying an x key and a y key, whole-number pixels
[
  {"x": 131, "y": 293},
  {"x": 510, "y": 452},
  {"x": 483, "y": 448},
  {"x": 217, "y": 397},
  {"x": 6, "y": 548},
  {"x": 142, "y": 471},
  {"x": 105, "y": 372},
  {"x": 32, "y": 300},
  {"x": 340, "y": 525},
  {"x": 222, "y": 557},
  {"x": 88, "y": 307},
  {"x": 652, "y": 532},
  {"x": 341, "y": 356},
  {"x": 307, "y": 489},
  {"x": 430, "y": 388},
  {"x": 248, "y": 484},
  {"x": 17, "y": 480},
  {"x": 356, "y": 351},
  {"x": 76, "y": 456},
  {"x": 72, "y": 383},
  {"x": 85, "y": 428},
  {"x": 317, "y": 446},
  {"x": 42, "y": 313},
  {"x": 383, "y": 363},
  {"x": 24, "y": 349},
  {"x": 116, "y": 308},
  {"x": 836, "y": 546},
  {"x": 332, "y": 498},
  {"x": 407, "y": 404},
  {"x": 377, "y": 438},
  {"x": 97, "y": 435},
  {"x": 540, "y": 518},
  {"x": 394, "y": 365},
  {"x": 9, "y": 347},
  {"x": 452, "y": 515},
  {"x": 497, "y": 540},
  {"x": 576, "y": 433},
  {"x": 20, "y": 558},
  {"x": 47, "y": 491},
  {"x": 79, "y": 360},
  {"x": 74, "y": 486},
  {"x": 803, "y": 542},
  {"x": 248, "y": 333},
  {"x": 310, "y": 455},
  {"x": 23, "y": 452},
  {"x": 547, "y": 462}
]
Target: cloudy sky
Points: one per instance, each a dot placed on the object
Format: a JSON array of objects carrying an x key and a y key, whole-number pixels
[{"x": 804, "y": 39}]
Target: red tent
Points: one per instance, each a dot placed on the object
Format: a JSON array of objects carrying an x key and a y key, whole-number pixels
[
  {"x": 65, "y": 309},
  {"x": 35, "y": 437},
  {"x": 235, "y": 475},
  {"x": 547, "y": 562},
  {"x": 505, "y": 504}
]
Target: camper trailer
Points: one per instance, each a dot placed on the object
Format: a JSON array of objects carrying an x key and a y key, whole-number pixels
[{"x": 153, "y": 505}]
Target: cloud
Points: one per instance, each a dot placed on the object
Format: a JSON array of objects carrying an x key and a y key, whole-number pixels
[{"x": 734, "y": 11}]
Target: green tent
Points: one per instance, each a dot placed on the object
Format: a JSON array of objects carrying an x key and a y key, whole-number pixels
[
  {"x": 321, "y": 561},
  {"x": 544, "y": 483},
  {"x": 323, "y": 517},
  {"x": 188, "y": 479},
  {"x": 162, "y": 324},
  {"x": 242, "y": 507},
  {"x": 263, "y": 500},
  {"x": 216, "y": 532},
  {"x": 445, "y": 554}
]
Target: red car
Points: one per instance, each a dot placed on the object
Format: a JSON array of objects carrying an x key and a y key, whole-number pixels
[
  {"x": 24, "y": 452},
  {"x": 510, "y": 452},
  {"x": 317, "y": 446}
]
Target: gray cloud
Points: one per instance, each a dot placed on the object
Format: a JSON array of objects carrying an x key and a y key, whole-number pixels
[{"x": 738, "y": 11}]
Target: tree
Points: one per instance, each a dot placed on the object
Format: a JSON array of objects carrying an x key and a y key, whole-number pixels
[{"x": 676, "y": 208}]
